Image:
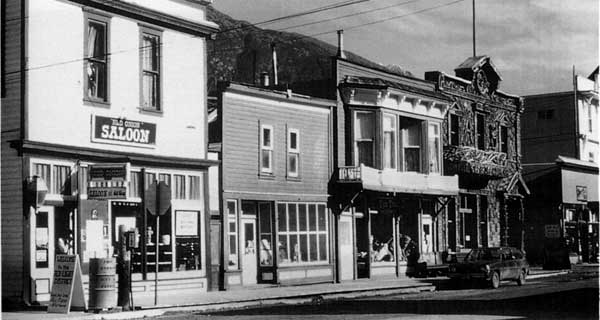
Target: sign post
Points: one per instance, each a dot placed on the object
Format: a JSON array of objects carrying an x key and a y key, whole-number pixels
[
  {"x": 158, "y": 202},
  {"x": 67, "y": 286}
]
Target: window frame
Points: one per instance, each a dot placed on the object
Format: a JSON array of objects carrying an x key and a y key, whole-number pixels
[
  {"x": 93, "y": 17},
  {"x": 356, "y": 140},
  {"x": 268, "y": 149},
  {"x": 149, "y": 31},
  {"x": 395, "y": 143},
  {"x": 404, "y": 142},
  {"x": 439, "y": 147},
  {"x": 480, "y": 136},
  {"x": 233, "y": 218},
  {"x": 503, "y": 138},
  {"x": 293, "y": 152},
  {"x": 453, "y": 130}
]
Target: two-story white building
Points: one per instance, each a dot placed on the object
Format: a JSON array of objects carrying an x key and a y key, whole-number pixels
[{"x": 102, "y": 101}]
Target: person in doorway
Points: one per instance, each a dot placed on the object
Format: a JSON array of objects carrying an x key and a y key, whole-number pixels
[{"x": 63, "y": 246}]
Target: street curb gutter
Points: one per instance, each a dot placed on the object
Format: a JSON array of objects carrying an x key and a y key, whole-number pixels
[
  {"x": 549, "y": 274},
  {"x": 311, "y": 298}
]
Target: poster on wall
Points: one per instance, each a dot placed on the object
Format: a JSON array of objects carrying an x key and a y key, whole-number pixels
[
  {"x": 95, "y": 239},
  {"x": 186, "y": 223}
]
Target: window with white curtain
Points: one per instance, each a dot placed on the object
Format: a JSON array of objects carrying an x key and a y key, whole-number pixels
[
  {"x": 364, "y": 136},
  {"x": 389, "y": 141}
]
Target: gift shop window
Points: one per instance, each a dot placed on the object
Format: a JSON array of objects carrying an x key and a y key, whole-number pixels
[
  {"x": 382, "y": 238},
  {"x": 302, "y": 233},
  {"x": 96, "y": 58}
]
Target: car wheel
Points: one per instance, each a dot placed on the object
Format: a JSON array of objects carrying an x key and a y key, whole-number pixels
[
  {"x": 521, "y": 279},
  {"x": 495, "y": 281}
]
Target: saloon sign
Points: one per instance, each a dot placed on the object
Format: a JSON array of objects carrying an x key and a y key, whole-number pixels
[{"x": 123, "y": 131}]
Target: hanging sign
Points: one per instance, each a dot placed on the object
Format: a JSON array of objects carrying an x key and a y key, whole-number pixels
[
  {"x": 67, "y": 285},
  {"x": 123, "y": 131}
]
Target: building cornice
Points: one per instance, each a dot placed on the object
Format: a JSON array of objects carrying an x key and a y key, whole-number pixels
[{"x": 151, "y": 16}]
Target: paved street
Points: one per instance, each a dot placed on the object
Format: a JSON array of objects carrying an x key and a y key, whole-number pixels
[{"x": 562, "y": 297}]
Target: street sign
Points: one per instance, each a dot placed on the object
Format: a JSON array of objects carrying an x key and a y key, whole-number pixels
[{"x": 157, "y": 198}]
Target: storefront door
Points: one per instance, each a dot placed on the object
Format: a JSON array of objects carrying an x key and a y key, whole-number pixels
[
  {"x": 249, "y": 256},
  {"x": 42, "y": 253},
  {"x": 346, "y": 255},
  {"x": 427, "y": 239}
]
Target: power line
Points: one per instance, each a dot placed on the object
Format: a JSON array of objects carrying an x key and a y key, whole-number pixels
[{"x": 295, "y": 15}]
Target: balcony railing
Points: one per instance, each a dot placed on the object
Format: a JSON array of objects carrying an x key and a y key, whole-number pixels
[
  {"x": 472, "y": 160},
  {"x": 395, "y": 181}
]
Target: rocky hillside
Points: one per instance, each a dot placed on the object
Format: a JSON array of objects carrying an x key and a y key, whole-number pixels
[{"x": 240, "y": 52}]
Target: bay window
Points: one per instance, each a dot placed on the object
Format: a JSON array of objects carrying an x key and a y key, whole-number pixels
[
  {"x": 411, "y": 143},
  {"x": 364, "y": 135},
  {"x": 389, "y": 141}
]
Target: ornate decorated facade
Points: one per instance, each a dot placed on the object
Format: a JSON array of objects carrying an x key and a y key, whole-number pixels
[{"x": 481, "y": 144}]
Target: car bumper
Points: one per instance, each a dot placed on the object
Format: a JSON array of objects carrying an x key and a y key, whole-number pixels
[{"x": 468, "y": 276}]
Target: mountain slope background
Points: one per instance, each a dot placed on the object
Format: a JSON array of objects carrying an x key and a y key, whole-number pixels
[{"x": 241, "y": 52}]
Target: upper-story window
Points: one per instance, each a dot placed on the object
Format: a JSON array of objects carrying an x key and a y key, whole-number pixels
[
  {"x": 364, "y": 136},
  {"x": 411, "y": 143},
  {"x": 453, "y": 130},
  {"x": 150, "y": 46},
  {"x": 293, "y": 153},
  {"x": 590, "y": 121},
  {"x": 480, "y": 131},
  {"x": 266, "y": 149},
  {"x": 503, "y": 139},
  {"x": 389, "y": 141},
  {"x": 96, "y": 58},
  {"x": 434, "y": 148}
]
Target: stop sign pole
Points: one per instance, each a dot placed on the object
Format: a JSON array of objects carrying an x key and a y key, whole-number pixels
[{"x": 158, "y": 202}]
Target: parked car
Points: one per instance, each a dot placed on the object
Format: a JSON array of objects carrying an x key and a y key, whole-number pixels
[{"x": 491, "y": 265}]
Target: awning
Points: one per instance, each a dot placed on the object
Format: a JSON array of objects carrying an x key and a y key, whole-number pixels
[{"x": 408, "y": 182}]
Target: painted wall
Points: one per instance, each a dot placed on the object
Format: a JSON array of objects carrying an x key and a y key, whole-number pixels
[
  {"x": 588, "y": 141},
  {"x": 572, "y": 178},
  {"x": 182, "y": 9},
  {"x": 56, "y": 111},
  {"x": 242, "y": 117}
]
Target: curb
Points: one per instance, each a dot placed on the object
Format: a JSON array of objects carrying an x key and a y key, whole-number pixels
[{"x": 547, "y": 274}]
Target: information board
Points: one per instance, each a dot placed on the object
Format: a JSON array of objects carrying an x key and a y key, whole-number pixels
[{"x": 67, "y": 286}]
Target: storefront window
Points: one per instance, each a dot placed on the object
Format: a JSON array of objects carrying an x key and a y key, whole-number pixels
[
  {"x": 266, "y": 234},
  {"x": 179, "y": 187},
  {"x": 434, "y": 148},
  {"x": 382, "y": 238},
  {"x": 135, "y": 184},
  {"x": 232, "y": 234},
  {"x": 364, "y": 138},
  {"x": 194, "y": 187},
  {"x": 389, "y": 141},
  {"x": 187, "y": 240},
  {"x": 302, "y": 233},
  {"x": 42, "y": 171},
  {"x": 41, "y": 239}
]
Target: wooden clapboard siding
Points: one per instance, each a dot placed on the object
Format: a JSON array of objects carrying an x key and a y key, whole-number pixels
[
  {"x": 242, "y": 119},
  {"x": 11, "y": 209}
]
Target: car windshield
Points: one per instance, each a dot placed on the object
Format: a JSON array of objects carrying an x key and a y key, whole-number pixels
[{"x": 483, "y": 254}]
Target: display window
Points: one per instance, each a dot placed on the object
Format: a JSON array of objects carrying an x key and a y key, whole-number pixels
[
  {"x": 302, "y": 233},
  {"x": 382, "y": 238}
]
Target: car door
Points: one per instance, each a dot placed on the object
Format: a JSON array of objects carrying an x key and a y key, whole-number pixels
[{"x": 506, "y": 264}]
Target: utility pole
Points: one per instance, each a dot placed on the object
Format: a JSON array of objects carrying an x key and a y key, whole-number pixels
[{"x": 474, "y": 51}]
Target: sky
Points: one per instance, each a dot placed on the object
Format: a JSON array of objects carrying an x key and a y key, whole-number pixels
[{"x": 534, "y": 43}]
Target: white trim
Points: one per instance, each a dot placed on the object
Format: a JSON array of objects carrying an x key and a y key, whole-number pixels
[
  {"x": 264, "y": 148},
  {"x": 277, "y": 193}
]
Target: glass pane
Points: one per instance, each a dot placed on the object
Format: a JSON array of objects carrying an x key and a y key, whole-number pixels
[
  {"x": 43, "y": 171},
  {"x": 293, "y": 141},
  {"x": 62, "y": 180},
  {"x": 264, "y": 210},
  {"x": 231, "y": 207},
  {"x": 249, "y": 208},
  {"x": 194, "y": 187},
  {"x": 83, "y": 180},
  {"x": 266, "y": 137},
  {"x": 322, "y": 218},
  {"x": 282, "y": 217},
  {"x": 294, "y": 248},
  {"x": 293, "y": 223},
  {"x": 389, "y": 150},
  {"x": 149, "y": 179},
  {"x": 96, "y": 79},
  {"x": 232, "y": 226},
  {"x": 364, "y": 125},
  {"x": 135, "y": 188},
  {"x": 293, "y": 164},
  {"x": 434, "y": 148},
  {"x": 365, "y": 153},
  {"x": 303, "y": 247},
  {"x": 412, "y": 159},
  {"x": 313, "y": 247},
  {"x": 411, "y": 129},
  {"x": 166, "y": 178},
  {"x": 283, "y": 249},
  {"x": 453, "y": 129},
  {"x": 322, "y": 247},
  {"x": 232, "y": 244},
  {"x": 266, "y": 251},
  {"x": 266, "y": 159},
  {"x": 312, "y": 217},
  {"x": 179, "y": 187},
  {"x": 97, "y": 40},
  {"x": 302, "y": 217},
  {"x": 150, "y": 52},
  {"x": 150, "y": 90}
]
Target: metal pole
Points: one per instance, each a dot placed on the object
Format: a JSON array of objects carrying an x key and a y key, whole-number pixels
[
  {"x": 474, "y": 52},
  {"x": 157, "y": 232}
]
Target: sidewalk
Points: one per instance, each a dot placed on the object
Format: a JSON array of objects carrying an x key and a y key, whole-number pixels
[{"x": 246, "y": 298}]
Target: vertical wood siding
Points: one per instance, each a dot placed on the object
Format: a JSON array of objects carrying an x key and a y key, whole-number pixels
[{"x": 11, "y": 204}]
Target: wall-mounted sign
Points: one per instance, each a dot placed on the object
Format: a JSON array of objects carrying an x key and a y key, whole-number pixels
[
  {"x": 107, "y": 181},
  {"x": 186, "y": 223},
  {"x": 581, "y": 193},
  {"x": 123, "y": 131},
  {"x": 552, "y": 231}
]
